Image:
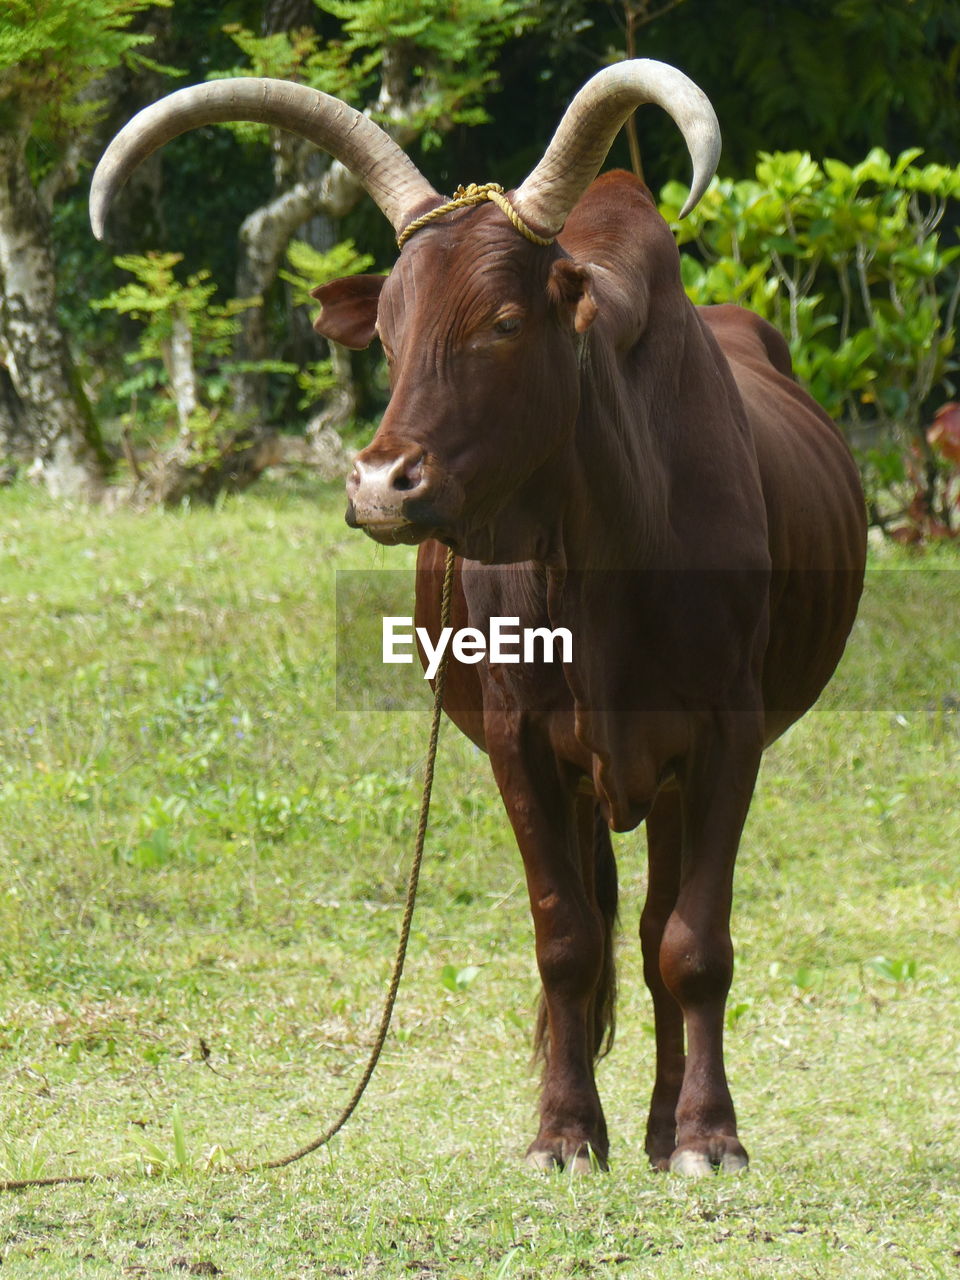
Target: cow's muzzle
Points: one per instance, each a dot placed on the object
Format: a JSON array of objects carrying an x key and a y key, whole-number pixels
[{"x": 379, "y": 492}]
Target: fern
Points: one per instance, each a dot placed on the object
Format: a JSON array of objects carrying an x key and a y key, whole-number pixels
[
  {"x": 312, "y": 268},
  {"x": 52, "y": 51}
]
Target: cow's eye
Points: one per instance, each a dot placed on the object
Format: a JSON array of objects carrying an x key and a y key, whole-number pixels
[{"x": 507, "y": 325}]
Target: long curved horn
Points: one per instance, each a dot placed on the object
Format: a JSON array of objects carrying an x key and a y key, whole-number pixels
[
  {"x": 390, "y": 176},
  {"x": 592, "y": 121}
]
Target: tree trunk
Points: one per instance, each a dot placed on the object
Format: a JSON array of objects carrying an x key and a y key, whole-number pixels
[
  {"x": 14, "y": 439},
  {"x": 310, "y": 187},
  {"x": 176, "y": 475},
  {"x": 339, "y": 407},
  {"x": 178, "y": 358},
  {"x": 264, "y": 237},
  {"x": 63, "y": 435}
]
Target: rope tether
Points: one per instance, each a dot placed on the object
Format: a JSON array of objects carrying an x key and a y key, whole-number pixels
[
  {"x": 411, "y": 898},
  {"x": 281, "y": 1162},
  {"x": 463, "y": 198}
]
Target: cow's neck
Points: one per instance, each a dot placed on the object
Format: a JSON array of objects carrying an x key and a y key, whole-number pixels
[{"x": 618, "y": 511}]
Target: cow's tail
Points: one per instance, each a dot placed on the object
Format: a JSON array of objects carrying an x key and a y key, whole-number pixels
[
  {"x": 607, "y": 891},
  {"x": 600, "y": 870}
]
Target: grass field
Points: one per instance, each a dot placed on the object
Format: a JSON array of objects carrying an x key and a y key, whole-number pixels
[{"x": 202, "y": 861}]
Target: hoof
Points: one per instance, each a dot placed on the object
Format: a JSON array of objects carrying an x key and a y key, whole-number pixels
[
  {"x": 734, "y": 1162},
  {"x": 584, "y": 1160},
  {"x": 691, "y": 1163},
  {"x": 543, "y": 1161}
]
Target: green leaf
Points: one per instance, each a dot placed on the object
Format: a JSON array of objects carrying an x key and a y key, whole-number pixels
[
  {"x": 457, "y": 980},
  {"x": 898, "y": 971}
]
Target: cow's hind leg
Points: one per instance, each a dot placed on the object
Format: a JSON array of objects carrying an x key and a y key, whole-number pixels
[
  {"x": 572, "y": 932},
  {"x": 696, "y": 954}
]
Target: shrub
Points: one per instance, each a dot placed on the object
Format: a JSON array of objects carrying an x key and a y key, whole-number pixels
[{"x": 848, "y": 263}]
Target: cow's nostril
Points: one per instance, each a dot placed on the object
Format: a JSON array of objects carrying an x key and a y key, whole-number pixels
[{"x": 408, "y": 476}]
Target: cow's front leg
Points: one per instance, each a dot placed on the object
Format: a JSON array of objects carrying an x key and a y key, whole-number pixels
[
  {"x": 696, "y": 954},
  {"x": 570, "y": 941}
]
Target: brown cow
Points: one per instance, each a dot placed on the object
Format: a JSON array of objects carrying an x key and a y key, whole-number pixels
[{"x": 602, "y": 456}]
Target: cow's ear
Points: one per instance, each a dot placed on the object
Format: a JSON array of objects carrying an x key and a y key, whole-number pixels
[
  {"x": 570, "y": 285},
  {"x": 349, "y": 310}
]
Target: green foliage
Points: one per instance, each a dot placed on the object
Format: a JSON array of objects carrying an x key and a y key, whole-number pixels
[
  {"x": 300, "y": 55},
  {"x": 52, "y": 51},
  {"x": 847, "y": 262},
  {"x": 447, "y": 32},
  {"x": 456, "y": 979},
  {"x": 311, "y": 269},
  {"x": 449, "y": 48},
  {"x": 163, "y": 305},
  {"x": 828, "y": 76},
  {"x": 837, "y": 74},
  {"x": 158, "y": 299},
  {"x": 897, "y": 971},
  {"x": 449, "y": 45}
]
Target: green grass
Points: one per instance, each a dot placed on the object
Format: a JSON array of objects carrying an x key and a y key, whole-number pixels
[{"x": 202, "y": 860}]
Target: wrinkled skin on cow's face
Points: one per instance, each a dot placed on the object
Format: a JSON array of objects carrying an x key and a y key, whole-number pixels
[{"x": 480, "y": 330}]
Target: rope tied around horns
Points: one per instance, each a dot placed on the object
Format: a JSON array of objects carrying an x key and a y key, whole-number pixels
[{"x": 473, "y": 194}]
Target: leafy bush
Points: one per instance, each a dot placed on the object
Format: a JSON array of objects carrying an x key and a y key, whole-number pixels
[
  {"x": 180, "y": 434},
  {"x": 310, "y": 269},
  {"x": 848, "y": 263},
  {"x": 183, "y": 351}
]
